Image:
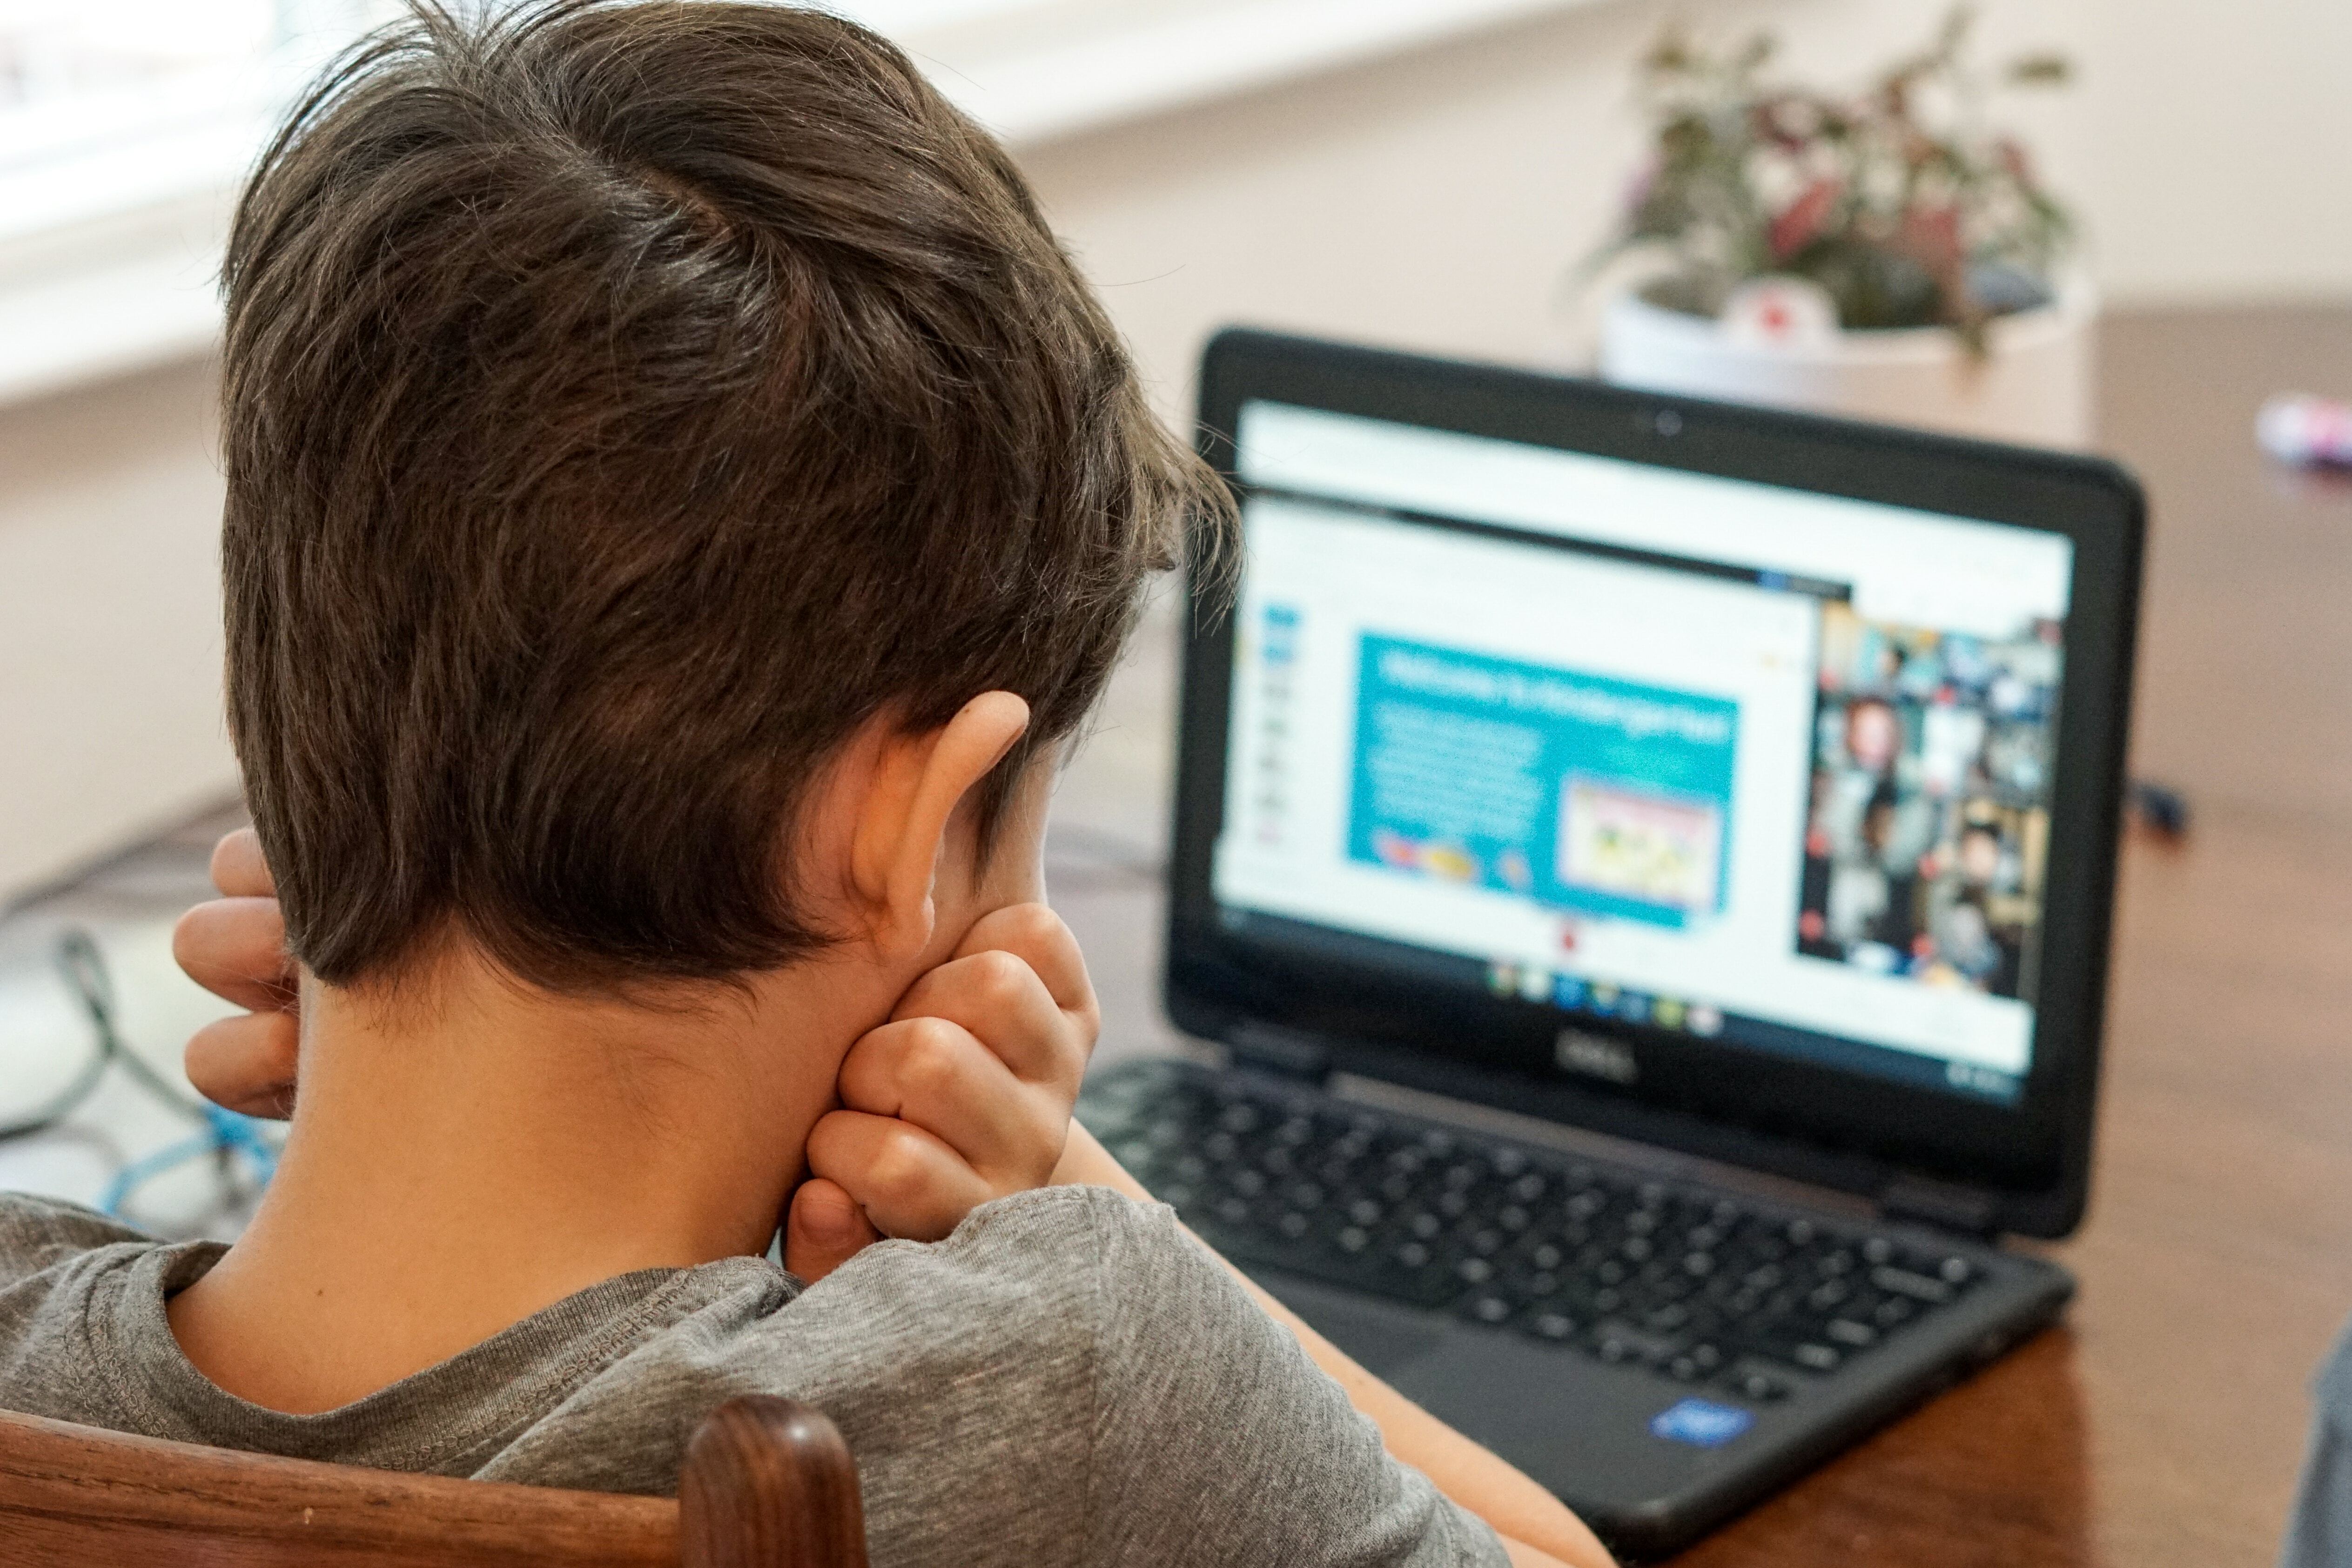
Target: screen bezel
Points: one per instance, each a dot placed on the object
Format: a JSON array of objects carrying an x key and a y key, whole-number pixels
[{"x": 2030, "y": 1161}]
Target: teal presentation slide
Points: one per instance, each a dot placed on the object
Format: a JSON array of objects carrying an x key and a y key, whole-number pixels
[{"x": 1579, "y": 791}]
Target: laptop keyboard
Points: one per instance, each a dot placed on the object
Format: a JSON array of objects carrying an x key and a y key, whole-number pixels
[{"x": 1689, "y": 1281}]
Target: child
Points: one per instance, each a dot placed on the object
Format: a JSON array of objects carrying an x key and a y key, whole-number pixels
[{"x": 680, "y": 499}]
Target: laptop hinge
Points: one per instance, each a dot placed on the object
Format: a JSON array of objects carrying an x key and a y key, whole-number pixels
[
  {"x": 1286, "y": 1053},
  {"x": 1941, "y": 1204}
]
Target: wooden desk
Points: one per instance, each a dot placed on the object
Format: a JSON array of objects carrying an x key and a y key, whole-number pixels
[{"x": 2165, "y": 1425}]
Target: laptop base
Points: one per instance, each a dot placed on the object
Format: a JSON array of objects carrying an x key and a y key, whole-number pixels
[{"x": 1656, "y": 1389}]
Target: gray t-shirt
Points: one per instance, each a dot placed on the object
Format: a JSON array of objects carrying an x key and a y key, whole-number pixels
[
  {"x": 1067, "y": 1379},
  {"x": 2320, "y": 1535}
]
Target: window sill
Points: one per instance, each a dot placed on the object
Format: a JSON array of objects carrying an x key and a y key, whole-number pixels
[{"x": 119, "y": 293}]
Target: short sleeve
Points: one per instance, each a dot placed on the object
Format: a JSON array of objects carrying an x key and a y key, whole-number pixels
[{"x": 1217, "y": 1441}]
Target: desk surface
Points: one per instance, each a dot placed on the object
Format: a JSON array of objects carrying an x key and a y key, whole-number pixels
[{"x": 2164, "y": 1426}]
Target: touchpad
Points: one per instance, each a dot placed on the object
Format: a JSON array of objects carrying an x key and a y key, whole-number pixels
[{"x": 1381, "y": 1339}]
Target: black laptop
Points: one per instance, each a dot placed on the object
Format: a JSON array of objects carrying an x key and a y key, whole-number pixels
[{"x": 1648, "y": 864}]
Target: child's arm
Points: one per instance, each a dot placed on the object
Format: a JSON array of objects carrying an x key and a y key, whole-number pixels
[{"x": 1536, "y": 1527}]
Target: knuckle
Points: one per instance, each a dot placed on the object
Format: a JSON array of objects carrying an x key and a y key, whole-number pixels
[
  {"x": 1031, "y": 924},
  {"x": 998, "y": 974},
  {"x": 899, "y": 1173},
  {"x": 924, "y": 1034},
  {"x": 926, "y": 1037},
  {"x": 929, "y": 1066}
]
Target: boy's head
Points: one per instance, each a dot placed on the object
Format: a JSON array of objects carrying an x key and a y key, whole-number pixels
[{"x": 626, "y": 405}]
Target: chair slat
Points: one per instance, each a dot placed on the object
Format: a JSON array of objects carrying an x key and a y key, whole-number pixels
[{"x": 75, "y": 1497}]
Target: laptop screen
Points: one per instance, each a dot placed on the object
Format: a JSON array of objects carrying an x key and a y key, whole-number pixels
[{"x": 1753, "y": 764}]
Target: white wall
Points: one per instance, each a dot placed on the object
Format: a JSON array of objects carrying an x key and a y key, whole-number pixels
[
  {"x": 1435, "y": 201},
  {"x": 110, "y": 637},
  {"x": 2219, "y": 148}
]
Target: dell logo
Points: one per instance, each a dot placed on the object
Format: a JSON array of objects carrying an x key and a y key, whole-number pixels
[{"x": 1595, "y": 1056}]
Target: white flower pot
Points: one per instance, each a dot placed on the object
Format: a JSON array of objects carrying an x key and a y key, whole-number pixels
[{"x": 2035, "y": 386}]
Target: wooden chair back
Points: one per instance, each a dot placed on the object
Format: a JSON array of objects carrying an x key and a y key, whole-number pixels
[{"x": 767, "y": 1483}]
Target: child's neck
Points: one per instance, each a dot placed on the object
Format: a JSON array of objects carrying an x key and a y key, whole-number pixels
[{"x": 459, "y": 1163}]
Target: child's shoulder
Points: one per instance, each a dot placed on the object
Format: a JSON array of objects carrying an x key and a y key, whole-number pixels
[{"x": 1015, "y": 1314}]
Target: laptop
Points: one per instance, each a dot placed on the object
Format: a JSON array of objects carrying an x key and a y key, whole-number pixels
[{"x": 1647, "y": 863}]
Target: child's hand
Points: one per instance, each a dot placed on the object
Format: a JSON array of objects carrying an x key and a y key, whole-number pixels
[
  {"x": 965, "y": 1095},
  {"x": 235, "y": 947}
]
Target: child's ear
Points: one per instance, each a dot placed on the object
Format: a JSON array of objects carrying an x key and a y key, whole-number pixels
[{"x": 918, "y": 780}]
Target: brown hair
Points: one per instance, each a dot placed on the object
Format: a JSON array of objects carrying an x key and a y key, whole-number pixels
[{"x": 624, "y": 404}]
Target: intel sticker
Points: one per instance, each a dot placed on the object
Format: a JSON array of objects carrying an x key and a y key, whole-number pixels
[{"x": 1701, "y": 1423}]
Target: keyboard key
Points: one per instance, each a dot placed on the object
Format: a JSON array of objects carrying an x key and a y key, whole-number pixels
[
  {"x": 1918, "y": 1287},
  {"x": 1554, "y": 1326},
  {"x": 1617, "y": 1341},
  {"x": 1489, "y": 1307}
]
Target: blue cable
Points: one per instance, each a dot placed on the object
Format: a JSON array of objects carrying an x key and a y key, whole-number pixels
[
  {"x": 225, "y": 1132},
  {"x": 146, "y": 1167}
]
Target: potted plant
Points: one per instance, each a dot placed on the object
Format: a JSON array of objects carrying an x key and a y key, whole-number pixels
[{"x": 1882, "y": 254}]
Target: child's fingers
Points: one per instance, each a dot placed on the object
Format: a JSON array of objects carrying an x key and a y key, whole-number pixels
[
  {"x": 235, "y": 948},
  {"x": 1041, "y": 939},
  {"x": 247, "y": 1063},
  {"x": 936, "y": 1075},
  {"x": 238, "y": 869},
  {"x": 910, "y": 1183},
  {"x": 999, "y": 998},
  {"x": 824, "y": 1229}
]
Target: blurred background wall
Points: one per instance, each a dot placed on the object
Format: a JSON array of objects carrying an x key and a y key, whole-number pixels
[{"x": 1436, "y": 198}]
